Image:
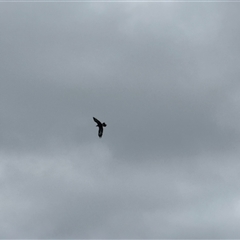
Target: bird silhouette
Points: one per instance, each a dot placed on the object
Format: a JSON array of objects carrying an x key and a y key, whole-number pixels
[{"x": 100, "y": 126}]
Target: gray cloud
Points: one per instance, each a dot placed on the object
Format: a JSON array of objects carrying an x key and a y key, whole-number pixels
[{"x": 163, "y": 77}]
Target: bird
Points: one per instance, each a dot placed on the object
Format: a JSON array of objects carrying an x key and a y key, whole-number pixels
[{"x": 100, "y": 126}]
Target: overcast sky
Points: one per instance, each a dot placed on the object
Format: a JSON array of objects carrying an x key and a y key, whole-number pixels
[{"x": 165, "y": 79}]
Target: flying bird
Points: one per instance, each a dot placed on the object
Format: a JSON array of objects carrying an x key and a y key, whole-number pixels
[{"x": 100, "y": 126}]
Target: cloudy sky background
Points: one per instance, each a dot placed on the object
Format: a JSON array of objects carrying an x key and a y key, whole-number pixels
[{"x": 165, "y": 79}]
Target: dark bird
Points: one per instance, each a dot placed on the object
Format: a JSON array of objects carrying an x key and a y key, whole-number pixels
[{"x": 100, "y": 126}]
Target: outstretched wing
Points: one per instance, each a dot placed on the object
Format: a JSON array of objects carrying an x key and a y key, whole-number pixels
[{"x": 97, "y": 121}]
